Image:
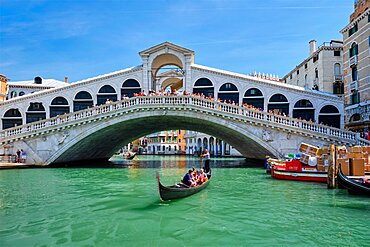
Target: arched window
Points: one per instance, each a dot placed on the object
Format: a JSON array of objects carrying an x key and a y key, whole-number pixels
[
  {"x": 305, "y": 81},
  {"x": 12, "y": 118},
  {"x": 59, "y": 106},
  {"x": 278, "y": 103},
  {"x": 304, "y": 109},
  {"x": 330, "y": 116},
  {"x": 204, "y": 86},
  {"x": 35, "y": 112},
  {"x": 21, "y": 93},
  {"x": 353, "y": 51},
  {"x": 83, "y": 100},
  {"x": 254, "y": 97},
  {"x": 13, "y": 94},
  {"x": 130, "y": 87},
  {"x": 229, "y": 92},
  {"x": 105, "y": 93},
  {"x": 337, "y": 69},
  {"x": 355, "y": 117}
]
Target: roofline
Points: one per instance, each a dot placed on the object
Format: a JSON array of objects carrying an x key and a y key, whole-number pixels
[
  {"x": 270, "y": 83},
  {"x": 351, "y": 24},
  {"x": 321, "y": 48},
  {"x": 158, "y": 47}
]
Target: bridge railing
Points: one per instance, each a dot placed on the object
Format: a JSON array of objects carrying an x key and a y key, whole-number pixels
[{"x": 202, "y": 103}]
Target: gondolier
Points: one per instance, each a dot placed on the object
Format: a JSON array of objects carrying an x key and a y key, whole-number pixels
[{"x": 207, "y": 159}]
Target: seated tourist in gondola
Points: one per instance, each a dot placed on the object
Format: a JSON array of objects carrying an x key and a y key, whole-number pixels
[
  {"x": 188, "y": 179},
  {"x": 202, "y": 178}
]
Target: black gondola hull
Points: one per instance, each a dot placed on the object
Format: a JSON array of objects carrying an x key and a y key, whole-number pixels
[
  {"x": 351, "y": 185},
  {"x": 172, "y": 192}
]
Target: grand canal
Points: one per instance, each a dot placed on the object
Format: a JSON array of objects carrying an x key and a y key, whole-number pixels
[{"x": 119, "y": 206}]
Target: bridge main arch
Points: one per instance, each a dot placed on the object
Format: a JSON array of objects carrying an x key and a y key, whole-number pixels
[{"x": 102, "y": 140}]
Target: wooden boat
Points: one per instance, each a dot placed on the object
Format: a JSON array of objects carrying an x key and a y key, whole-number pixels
[
  {"x": 179, "y": 191},
  {"x": 129, "y": 155},
  {"x": 353, "y": 186},
  {"x": 293, "y": 170}
]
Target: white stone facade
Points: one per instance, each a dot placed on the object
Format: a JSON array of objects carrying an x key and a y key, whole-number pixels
[
  {"x": 197, "y": 142},
  {"x": 356, "y": 64},
  {"x": 113, "y": 85},
  {"x": 322, "y": 69}
]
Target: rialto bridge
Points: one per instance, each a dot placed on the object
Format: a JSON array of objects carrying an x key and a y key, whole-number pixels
[{"x": 75, "y": 123}]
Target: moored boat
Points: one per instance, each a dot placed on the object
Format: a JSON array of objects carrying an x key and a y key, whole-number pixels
[
  {"x": 354, "y": 185},
  {"x": 179, "y": 191},
  {"x": 293, "y": 170}
]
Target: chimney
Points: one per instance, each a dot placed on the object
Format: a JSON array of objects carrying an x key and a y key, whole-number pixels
[
  {"x": 312, "y": 46},
  {"x": 66, "y": 79}
]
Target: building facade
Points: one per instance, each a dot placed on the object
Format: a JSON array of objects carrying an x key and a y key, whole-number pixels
[
  {"x": 322, "y": 70},
  {"x": 356, "y": 67},
  {"x": 166, "y": 142},
  {"x": 3, "y": 87},
  {"x": 20, "y": 88},
  {"x": 197, "y": 142}
]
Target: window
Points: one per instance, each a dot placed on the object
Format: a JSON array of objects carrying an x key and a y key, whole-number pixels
[
  {"x": 316, "y": 73},
  {"x": 354, "y": 74},
  {"x": 353, "y": 51},
  {"x": 355, "y": 97},
  {"x": 175, "y": 148},
  {"x": 297, "y": 71},
  {"x": 305, "y": 66},
  {"x": 179, "y": 140},
  {"x": 163, "y": 148},
  {"x": 337, "y": 69},
  {"x": 315, "y": 58},
  {"x": 158, "y": 148},
  {"x": 291, "y": 76},
  {"x": 337, "y": 53},
  {"x": 169, "y": 148},
  {"x": 353, "y": 30},
  {"x": 21, "y": 93}
]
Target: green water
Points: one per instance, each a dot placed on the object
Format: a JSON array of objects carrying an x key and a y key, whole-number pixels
[{"x": 120, "y": 206}]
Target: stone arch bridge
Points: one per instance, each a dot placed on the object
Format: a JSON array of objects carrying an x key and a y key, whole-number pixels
[{"x": 97, "y": 132}]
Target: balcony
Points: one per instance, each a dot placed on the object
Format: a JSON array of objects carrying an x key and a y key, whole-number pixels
[
  {"x": 353, "y": 86},
  {"x": 338, "y": 78},
  {"x": 353, "y": 61}
]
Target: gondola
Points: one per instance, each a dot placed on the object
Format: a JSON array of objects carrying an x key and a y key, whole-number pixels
[
  {"x": 353, "y": 186},
  {"x": 129, "y": 155},
  {"x": 179, "y": 191}
]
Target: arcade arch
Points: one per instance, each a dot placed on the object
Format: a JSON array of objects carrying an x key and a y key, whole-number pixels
[
  {"x": 35, "y": 112},
  {"x": 229, "y": 92},
  {"x": 204, "y": 86},
  {"x": 330, "y": 116},
  {"x": 106, "y": 92},
  {"x": 12, "y": 118},
  {"x": 129, "y": 88},
  {"x": 83, "y": 100},
  {"x": 254, "y": 97},
  {"x": 304, "y": 109},
  {"x": 59, "y": 106},
  {"x": 278, "y": 103}
]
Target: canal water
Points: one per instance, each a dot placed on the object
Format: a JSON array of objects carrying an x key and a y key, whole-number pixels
[{"x": 119, "y": 206}]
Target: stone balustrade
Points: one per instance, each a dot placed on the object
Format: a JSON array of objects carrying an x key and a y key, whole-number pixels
[{"x": 187, "y": 103}]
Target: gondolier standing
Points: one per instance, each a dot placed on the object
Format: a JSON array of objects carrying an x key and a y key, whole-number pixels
[{"x": 207, "y": 159}]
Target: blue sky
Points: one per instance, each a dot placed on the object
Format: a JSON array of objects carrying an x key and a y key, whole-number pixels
[{"x": 86, "y": 38}]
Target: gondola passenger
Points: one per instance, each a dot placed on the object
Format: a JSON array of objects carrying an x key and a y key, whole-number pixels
[{"x": 188, "y": 179}]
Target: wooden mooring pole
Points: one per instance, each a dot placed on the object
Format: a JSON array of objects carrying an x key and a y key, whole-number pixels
[{"x": 333, "y": 168}]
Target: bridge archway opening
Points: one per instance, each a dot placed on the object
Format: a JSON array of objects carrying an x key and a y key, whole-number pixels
[
  {"x": 355, "y": 118},
  {"x": 106, "y": 138},
  {"x": 12, "y": 118},
  {"x": 254, "y": 97},
  {"x": 229, "y": 92},
  {"x": 83, "y": 100},
  {"x": 166, "y": 66},
  {"x": 330, "y": 116},
  {"x": 59, "y": 106},
  {"x": 278, "y": 103},
  {"x": 204, "y": 86},
  {"x": 106, "y": 93},
  {"x": 170, "y": 79},
  {"x": 35, "y": 112},
  {"x": 304, "y": 109}
]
